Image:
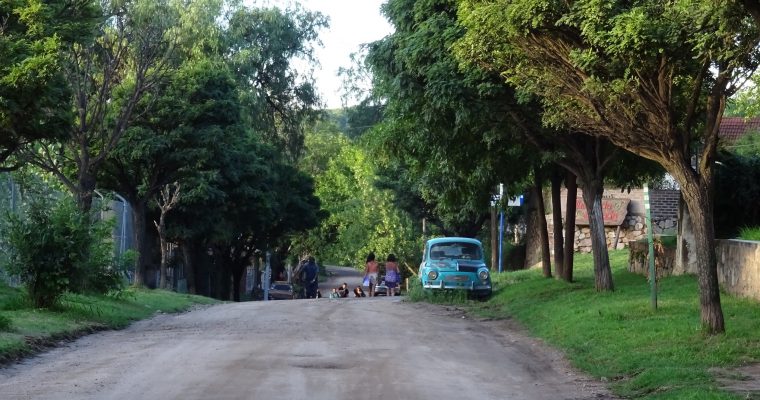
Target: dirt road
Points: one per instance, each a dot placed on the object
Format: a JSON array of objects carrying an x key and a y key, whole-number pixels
[{"x": 378, "y": 348}]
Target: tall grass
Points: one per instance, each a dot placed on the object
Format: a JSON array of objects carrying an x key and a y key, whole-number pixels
[
  {"x": 618, "y": 337},
  {"x": 750, "y": 233}
]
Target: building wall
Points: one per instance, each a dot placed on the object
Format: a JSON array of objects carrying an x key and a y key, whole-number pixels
[
  {"x": 664, "y": 207},
  {"x": 738, "y": 265}
]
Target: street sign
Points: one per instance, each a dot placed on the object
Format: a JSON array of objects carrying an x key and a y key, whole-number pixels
[{"x": 515, "y": 201}]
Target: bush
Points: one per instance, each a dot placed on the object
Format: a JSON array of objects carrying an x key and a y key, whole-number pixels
[
  {"x": 5, "y": 324},
  {"x": 54, "y": 248},
  {"x": 750, "y": 233}
]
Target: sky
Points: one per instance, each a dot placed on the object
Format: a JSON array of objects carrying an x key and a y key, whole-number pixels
[{"x": 352, "y": 23}]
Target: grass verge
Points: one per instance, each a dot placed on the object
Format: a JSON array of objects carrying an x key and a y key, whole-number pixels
[
  {"x": 617, "y": 337},
  {"x": 750, "y": 233},
  {"x": 24, "y": 329}
]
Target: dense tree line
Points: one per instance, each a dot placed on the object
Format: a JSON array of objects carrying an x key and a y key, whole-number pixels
[
  {"x": 140, "y": 97},
  {"x": 478, "y": 92}
]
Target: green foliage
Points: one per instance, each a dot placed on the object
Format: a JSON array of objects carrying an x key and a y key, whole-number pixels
[
  {"x": 32, "y": 85},
  {"x": 448, "y": 133},
  {"x": 745, "y": 102},
  {"x": 6, "y": 323},
  {"x": 750, "y": 233},
  {"x": 278, "y": 101},
  {"x": 418, "y": 293},
  {"x": 81, "y": 313},
  {"x": 54, "y": 248},
  {"x": 747, "y": 145},
  {"x": 362, "y": 218}
]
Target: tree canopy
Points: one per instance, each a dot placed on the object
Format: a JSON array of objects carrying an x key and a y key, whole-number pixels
[{"x": 650, "y": 76}]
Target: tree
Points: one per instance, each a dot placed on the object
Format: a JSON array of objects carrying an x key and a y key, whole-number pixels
[
  {"x": 128, "y": 59},
  {"x": 446, "y": 131},
  {"x": 261, "y": 45},
  {"x": 166, "y": 200},
  {"x": 54, "y": 248},
  {"x": 33, "y": 38},
  {"x": 178, "y": 130},
  {"x": 638, "y": 74}
]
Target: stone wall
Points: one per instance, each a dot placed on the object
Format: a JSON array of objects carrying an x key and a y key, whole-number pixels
[
  {"x": 738, "y": 265},
  {"x": 664, "y": 206}
]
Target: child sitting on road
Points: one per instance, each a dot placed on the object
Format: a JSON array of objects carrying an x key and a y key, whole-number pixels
[{"x": 359, "y": 292}]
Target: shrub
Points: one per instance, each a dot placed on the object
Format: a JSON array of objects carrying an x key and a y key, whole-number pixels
[
  {"x": 5, "y": 323},
  {"x": 54, "y": 248},
  {"x": 750, "y": 233}
]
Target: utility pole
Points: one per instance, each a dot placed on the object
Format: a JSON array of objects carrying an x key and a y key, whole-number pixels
[
  {"x": 267, "y": 277},
  {"x": 494, "y": 242},
  {"x": 501, "y": 227}
]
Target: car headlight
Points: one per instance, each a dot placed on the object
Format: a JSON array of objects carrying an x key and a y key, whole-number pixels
[
  {"x": 483, "y": 275},
  {"x": 432, "y": 275}
]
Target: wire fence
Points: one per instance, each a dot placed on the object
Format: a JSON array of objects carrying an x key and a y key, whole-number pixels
[{"x": 117, "y": 209}]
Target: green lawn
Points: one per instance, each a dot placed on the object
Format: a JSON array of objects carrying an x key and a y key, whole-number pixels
[
  {"x": 645, "y": 354},
  {"x": 23, "y": 327}
]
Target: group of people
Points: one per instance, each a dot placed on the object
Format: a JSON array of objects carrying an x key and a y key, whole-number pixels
[
  {"x": 310, "y": 277},
  {"x": 372, "y": 270},
  {"x": 342, "y": 291}
]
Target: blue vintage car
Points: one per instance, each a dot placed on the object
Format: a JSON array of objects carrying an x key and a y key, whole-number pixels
[{"x": 455, "y": 263}]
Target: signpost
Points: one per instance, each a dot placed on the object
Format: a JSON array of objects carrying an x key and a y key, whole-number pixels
[
  {"x": 267, "y": 278},
  {"x": 650, "y": 239},
  {"x": 516, "y": 201}
]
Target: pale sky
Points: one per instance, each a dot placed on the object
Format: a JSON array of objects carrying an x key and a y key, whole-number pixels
[{"x": 352, "y": 23}]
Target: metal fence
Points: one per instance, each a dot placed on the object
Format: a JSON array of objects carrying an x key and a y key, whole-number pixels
[{"x": 118, "y": 209}]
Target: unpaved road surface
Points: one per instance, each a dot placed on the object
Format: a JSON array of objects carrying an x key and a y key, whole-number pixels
[{"x": 337, "y": 349}]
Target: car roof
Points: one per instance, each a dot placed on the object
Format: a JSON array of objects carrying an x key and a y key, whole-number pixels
[{"x": 453, "y": 239}]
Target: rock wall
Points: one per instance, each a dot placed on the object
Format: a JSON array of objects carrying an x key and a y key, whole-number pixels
[
  {"x": 738, "y": 265},
  {"x": 633, "y": 228},
  {"x": 664, "y": 205}
]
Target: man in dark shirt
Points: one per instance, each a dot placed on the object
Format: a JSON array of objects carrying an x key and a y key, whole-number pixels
[{"x": 311, "y": 278}]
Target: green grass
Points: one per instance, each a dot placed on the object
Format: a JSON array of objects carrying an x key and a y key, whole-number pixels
[
  {"x": 645, "y": 354},
  {"x": 417, "y": 293},
  {"x": 750, "y": 233},
  {"x": 21, "y": 326}
]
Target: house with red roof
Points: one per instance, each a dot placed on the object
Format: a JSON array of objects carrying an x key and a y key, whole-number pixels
[{"x": 733, "y": 128}]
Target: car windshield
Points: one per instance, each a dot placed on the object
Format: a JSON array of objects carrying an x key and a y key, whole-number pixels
[
  {"x": 281, "y": 287},
  {"x": 456, "y": 250}
]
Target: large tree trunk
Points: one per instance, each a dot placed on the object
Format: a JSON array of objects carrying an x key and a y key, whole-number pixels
[
  {"x": 696, "y": 194},
  {"x": 189, "y": 255},
  {"x": 572, "y": 195},
  {"x": 593, "y": 190},
  {"x": 139, "y": 224},
  {"x": 85, "y": 188},
  {"x": 557, "y": 222},
  {"x": 237, "y": 277},
  {"x": 546, "y": 263}
]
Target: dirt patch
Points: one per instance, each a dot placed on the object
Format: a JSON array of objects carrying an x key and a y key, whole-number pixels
[{"x": 742, "y": 380}]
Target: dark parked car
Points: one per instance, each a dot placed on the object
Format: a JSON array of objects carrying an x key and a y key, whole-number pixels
[
  {"x": 281, "y": 291},
  {"x": 455, "y": 263},
  {"x": 381, "y": 289}
]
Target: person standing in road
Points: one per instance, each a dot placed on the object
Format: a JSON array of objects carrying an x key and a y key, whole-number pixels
[
  {"x": 392, "y": 274},
  {"x": 311, "y": 278},
  {"x": 370, "y": 273}
]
